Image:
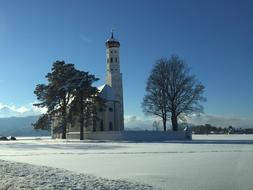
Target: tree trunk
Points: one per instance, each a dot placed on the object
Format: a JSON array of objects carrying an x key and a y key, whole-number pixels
[
  {"x": 64, "y": 132},
  {"x": 81, "y": 128},
  {"x": 64, "y": 124},
  {"x": 164, "y": 124},
  {"x": 174, "y": 122},
  {"x": 81, "y": 117}
]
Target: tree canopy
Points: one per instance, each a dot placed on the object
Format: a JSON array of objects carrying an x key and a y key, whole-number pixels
[
  {"x": 67, "y": 90},
  {"x": 172, "y": 92},
  {"x": 85, "y": 100}
]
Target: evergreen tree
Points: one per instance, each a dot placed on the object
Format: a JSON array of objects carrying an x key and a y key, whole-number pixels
[
  {"x": 57, "y": 94},
  {"x": 85, "y": 100},
  {"x": 43, "y": 123}
]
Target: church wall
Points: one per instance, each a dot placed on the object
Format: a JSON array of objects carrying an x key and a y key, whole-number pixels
[
  {"x": 148, "y": 136},
  {"x": 108, "y": 120},
  {"x": 108, "y": 117}
]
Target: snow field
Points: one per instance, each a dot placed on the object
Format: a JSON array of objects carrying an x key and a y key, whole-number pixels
[
  {"x": 208, "y": 162},
  {"x": 25, "y": 176}
]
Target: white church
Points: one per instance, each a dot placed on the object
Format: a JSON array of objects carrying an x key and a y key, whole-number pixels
[{"x": 112, "y": 117}]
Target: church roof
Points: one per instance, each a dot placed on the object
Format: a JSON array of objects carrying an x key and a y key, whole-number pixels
[
  {"x": 106, "y": 92},
  {"x": 112, "y": 42}
]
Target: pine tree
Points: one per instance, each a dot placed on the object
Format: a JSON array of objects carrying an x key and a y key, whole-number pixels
[
  {"x": 57, "y": 94},
  {"x": 43, "y": 123},
  {"x": 85, "y": 100}
]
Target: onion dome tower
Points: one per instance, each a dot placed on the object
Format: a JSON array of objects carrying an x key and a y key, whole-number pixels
[{"x": 114, "y": 76}]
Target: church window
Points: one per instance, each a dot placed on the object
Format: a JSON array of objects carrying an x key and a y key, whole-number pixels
[
  {"x": 111, "y": 60},
  {"x": 110, "y": 109},
  {"x": 110, "y": 126}
]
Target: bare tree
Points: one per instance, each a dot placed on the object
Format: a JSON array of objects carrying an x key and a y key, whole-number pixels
[
  {"x": 172, "y": 92},
  {"x": 156, "y": 100}
]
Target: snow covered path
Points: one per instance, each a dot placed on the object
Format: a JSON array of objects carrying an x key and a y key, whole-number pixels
[
  {"x": 25, "y": 176},
  {"x": 208, "y": 162}
]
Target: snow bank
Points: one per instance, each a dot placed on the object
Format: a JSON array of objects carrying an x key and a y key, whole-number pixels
[{"x": 25, "y": 176}]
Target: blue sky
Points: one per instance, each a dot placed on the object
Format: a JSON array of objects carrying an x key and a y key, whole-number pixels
[{"x": 213, "y": 37}]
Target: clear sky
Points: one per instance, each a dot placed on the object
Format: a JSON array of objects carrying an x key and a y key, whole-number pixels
[{"x": 214, "y": 37}]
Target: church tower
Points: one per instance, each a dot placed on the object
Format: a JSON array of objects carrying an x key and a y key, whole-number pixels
[{"x": 114, "y": 76}]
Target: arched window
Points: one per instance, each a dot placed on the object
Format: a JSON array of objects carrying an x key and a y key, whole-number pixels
[
  {"x": 116, "y": 59},
  {"x": 110, "y": 126},
  {"x": 111, "y": 59}
]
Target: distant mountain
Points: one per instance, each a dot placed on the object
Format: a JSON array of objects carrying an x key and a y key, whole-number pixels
[
  {"x": 8, "y": 111},
  {"x": 20, "y": 126}
]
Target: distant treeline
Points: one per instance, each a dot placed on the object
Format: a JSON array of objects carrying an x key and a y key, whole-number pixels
[{"x": 209, "y": 129}]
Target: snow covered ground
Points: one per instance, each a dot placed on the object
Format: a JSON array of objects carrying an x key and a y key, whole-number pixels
[
  {"x": 26, "y": 176},
  {"x": 207, "y": 162}
]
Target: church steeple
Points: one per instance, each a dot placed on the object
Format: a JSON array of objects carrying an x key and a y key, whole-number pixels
[
  {"x": 113, "y": 74},
  {"x": 112, "y": 42},
  {"x": 112, "y": 35}
]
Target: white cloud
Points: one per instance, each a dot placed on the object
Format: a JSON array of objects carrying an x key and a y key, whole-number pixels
[
  {"x": 37, "y": 109},
  {"x": 221, "y": 120},
  {"x": 138, "y": 123},
  {"x": 22, "y": 109},
  {"x": 19, "y": 111}
]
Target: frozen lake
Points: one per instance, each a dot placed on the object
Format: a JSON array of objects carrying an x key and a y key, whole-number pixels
[{"x": 207, "y": 162}]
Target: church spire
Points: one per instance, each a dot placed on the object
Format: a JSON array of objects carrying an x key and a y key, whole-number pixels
[
  {"x": 112, "y": 35},
  {"x": 112, "y": 42},
  {"x": 114, "y": 77}
]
